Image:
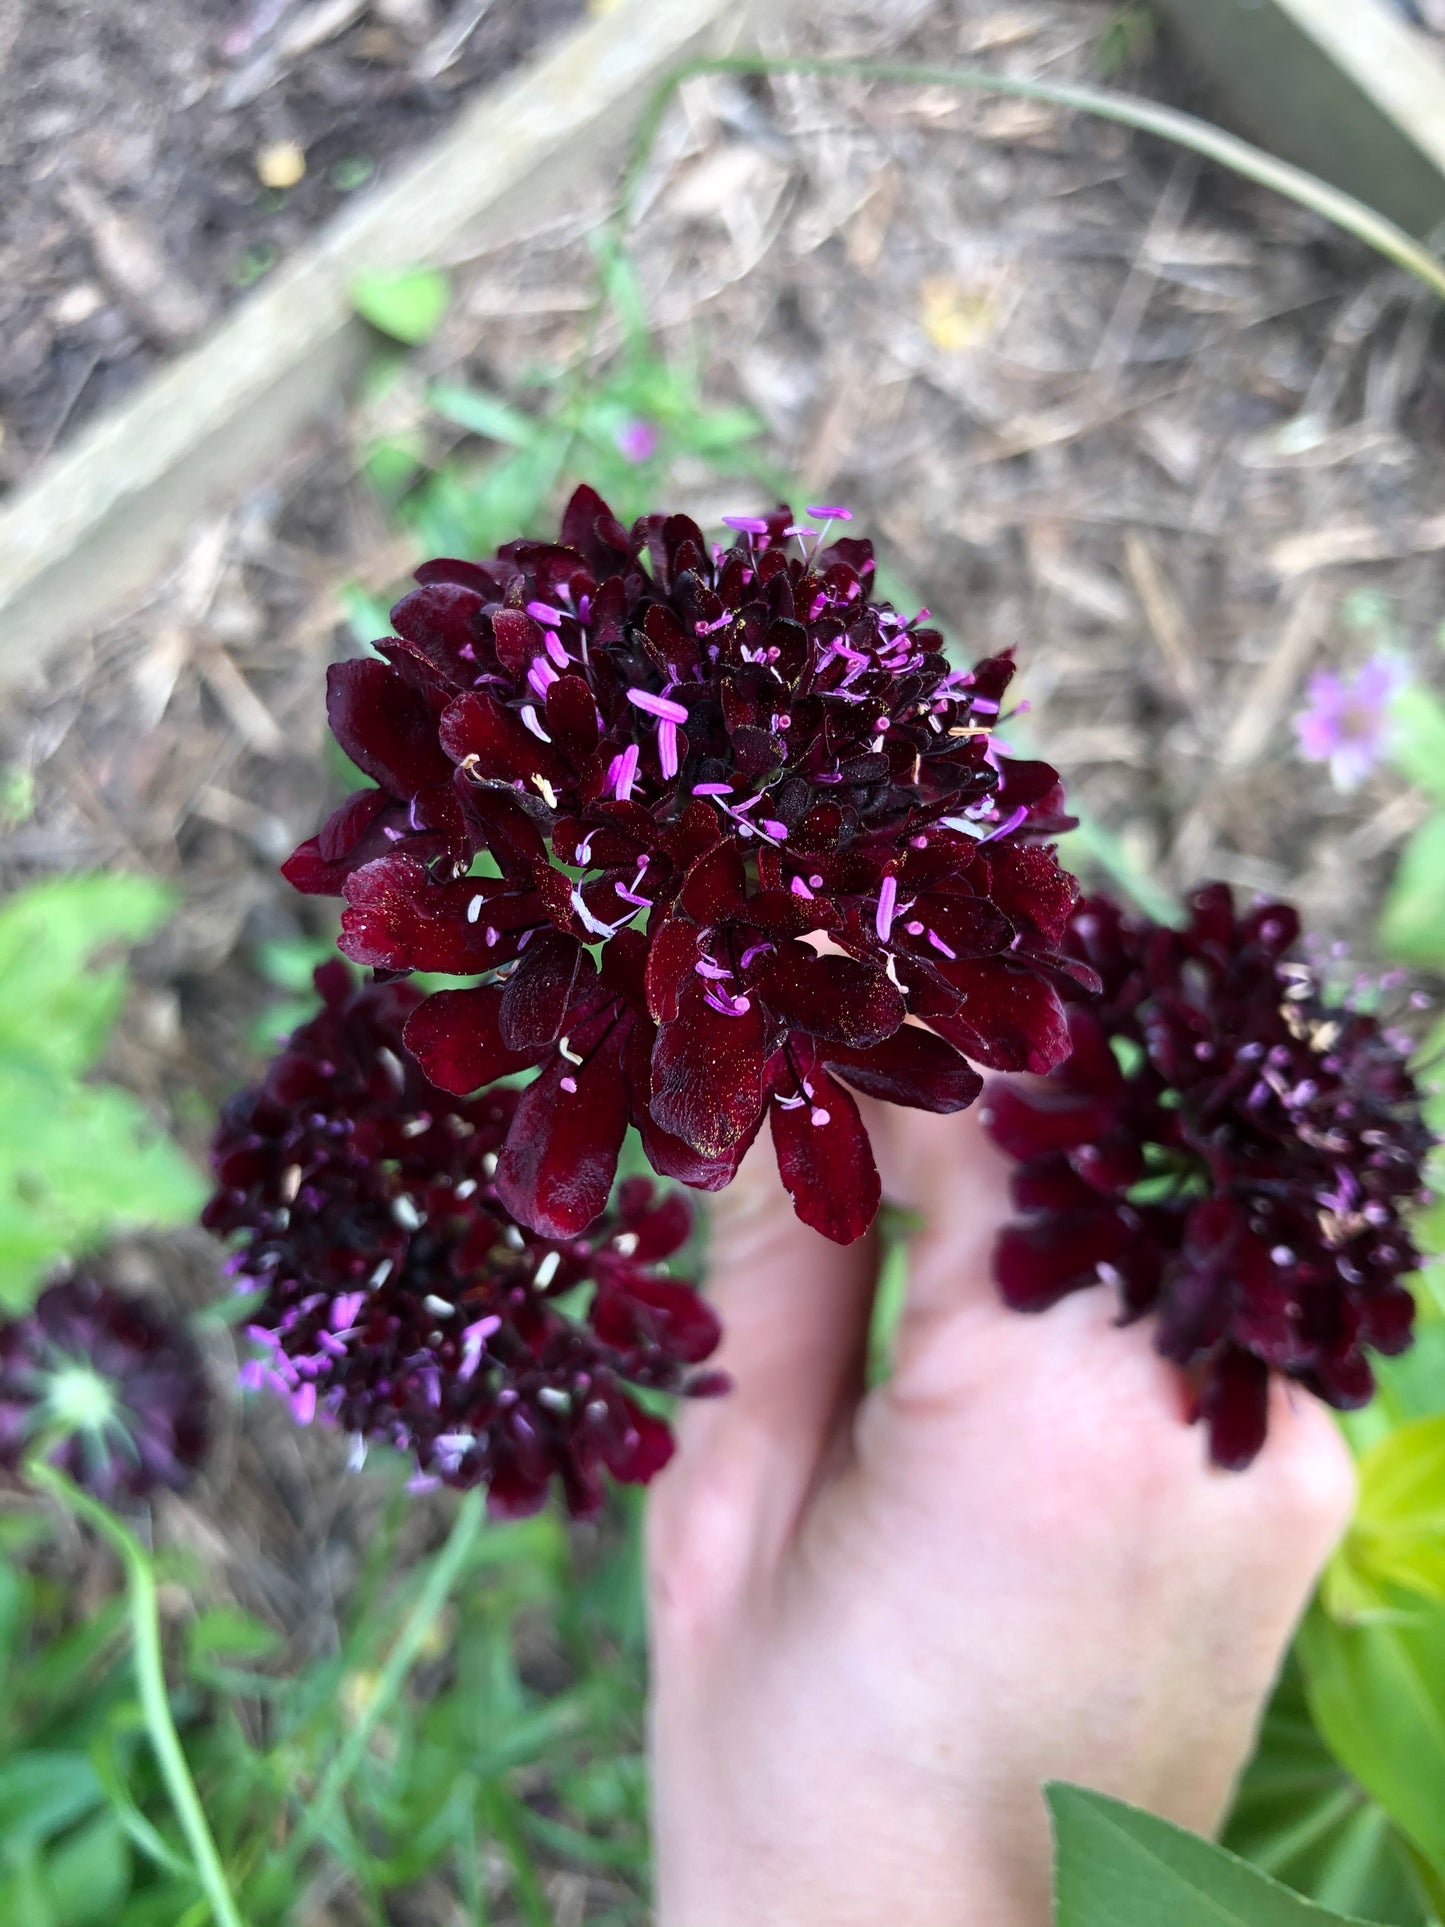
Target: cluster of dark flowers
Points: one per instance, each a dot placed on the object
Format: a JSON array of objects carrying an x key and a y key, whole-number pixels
[
  {"x": 403, "y": 1300},
  {"x": 1231, "y": 1150},
  {"x": 718, "y": 835},
  {"x": 630, "y": 783},
  {"x": 106, "y": 1387}
]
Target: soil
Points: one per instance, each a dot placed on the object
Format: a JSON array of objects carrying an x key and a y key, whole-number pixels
[
  {"x": 1175, "y": 440},
  {"x": 136, "y": 143}
]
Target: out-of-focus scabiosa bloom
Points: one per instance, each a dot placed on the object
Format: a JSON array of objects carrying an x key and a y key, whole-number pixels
[
  {"x": 638, "y": 439},
  {"x": 1230, "y": 1150},
  {"x": 1346, "y": 723},
  {"x": 403, "y": 1300},
  {"x": 687, "y": 765},
  {"x": 116, "y": 1387}
]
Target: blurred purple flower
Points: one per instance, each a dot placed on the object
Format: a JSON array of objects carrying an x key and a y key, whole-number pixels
[
  {"x": 638, "y": 439},
  {"x": 1346, "y": 722},
  {"x": 115, "y": 1385}
]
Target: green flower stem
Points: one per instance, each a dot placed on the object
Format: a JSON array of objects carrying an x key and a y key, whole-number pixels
[
  {"x": 151, "y": 1679},
  {"x": 1128, "y": 110},
  {"x": 445, "y": 1569}
]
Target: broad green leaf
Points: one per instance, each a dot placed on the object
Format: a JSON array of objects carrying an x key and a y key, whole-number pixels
[
  {"x": 225, "y": 1632},
  {"x": 1397, "y": 1536},
  {"x": 42, "y": 1793},
  {"x": 56, "y": 1006},
  {"x": 79, "y": 1162},
  {"x": 482, "y": 414},
  {"x": 1417, "y": 738},
  {"x": 1412, "y": 923},
  {"x": 1119, "y": 1867},
  {"x": 1377, "y": 1694},
  {"x": 1300, "y": 1818},
  {"x": 87, "y": 1877},
  {"x": 407, "y": 304}
]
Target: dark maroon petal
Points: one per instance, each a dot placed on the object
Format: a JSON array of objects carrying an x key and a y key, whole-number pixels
[
  {"x": 1031, "y": 1123},
  {"x": 707, "y": 1073},
  {"x": 1010, "y": 1020},
  {"x": 556, "y": 1172},
  {"x": 456, "y": 1038},
  {"x": 837, "y": 998},
  {"x": 1042, "y": 1260},
  {"x": 638, "y": 1454},
  {"x": 1234, "y": 1404},
  {"x": 590, "y": 527},
  {"x": 656, "y": 1311},
  {"x": 384, "y": 726},
  {"x": 440, "y": 620},
  {"x": 826, "y": 1162},
  {"x": 551, "y": 975},
  {"x": 352, "y": 835},
  {"x": 716, "y": 885},
  {"x": 1033, "y": 890},
  {"x": 478, "y": 733},
  {"x": 671, "y": 954},
  {"x": 398, "y": 919},
  {"x": 659, "y": 1221},
  {"x": 913, "y": 1067}
]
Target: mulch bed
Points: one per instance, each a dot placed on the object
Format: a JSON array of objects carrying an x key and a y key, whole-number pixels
[
  {"x": 1175, "y": 440},
  {"x": 136, "y": 142}
]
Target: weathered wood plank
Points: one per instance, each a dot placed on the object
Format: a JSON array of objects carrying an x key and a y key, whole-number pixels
[
  {"x": 105, "y": 514},
  {"x": 1343, "y": 87}
]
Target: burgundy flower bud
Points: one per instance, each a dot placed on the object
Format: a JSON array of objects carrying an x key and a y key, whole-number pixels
[
  {"x": 1232, "y": 1151},
  {"x": 404, "y": 1301},
  {"x": 635, "y": 786},
  {"x": 116, "y": 1387}
]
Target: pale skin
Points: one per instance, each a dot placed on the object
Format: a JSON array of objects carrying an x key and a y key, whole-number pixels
[{"x": 881, "y": 1621}]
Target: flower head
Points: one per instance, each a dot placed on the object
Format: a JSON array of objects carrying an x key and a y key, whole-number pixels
[
  {"x": 403, "y": 1300},
  {"x": 706, "y": 824},
  {"x": 117, "y": 1389},
  {"x": 1347, "y": 723},
  {"x": 638, "y": 439},
  {"x": 1230, "y": 1150}
]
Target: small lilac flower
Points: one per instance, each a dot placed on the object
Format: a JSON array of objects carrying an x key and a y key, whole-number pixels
[
  {"x": 1228, "y": 1150},
  {"x": 638, "y": 439},
  {"x": 115, "y": 1385},
  {"x": 1346, "y": 723},
  {"x": 403, "y": 1301}
]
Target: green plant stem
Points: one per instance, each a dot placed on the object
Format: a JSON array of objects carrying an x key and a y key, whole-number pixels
[
  {"x": 151, "y": 1680},
  {"x": 445, "y": 1568},
  {"x": 1127, "y": 110}
]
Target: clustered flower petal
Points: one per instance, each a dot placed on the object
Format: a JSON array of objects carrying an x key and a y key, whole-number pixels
[
  {"x": 107, "y": 1387},
  {"x": 405, "y": 1302},
  {"x": 706, "y": 825},
  {"x": 1230, "y": 1150}
]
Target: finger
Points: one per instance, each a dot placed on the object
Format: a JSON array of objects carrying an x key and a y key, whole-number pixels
[
  {"x": 795, "y": 1310},
  {"x": 946, "y": 1171}
]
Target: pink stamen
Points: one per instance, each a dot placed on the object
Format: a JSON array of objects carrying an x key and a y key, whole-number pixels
[
  {"x": 887, "y": 902},
  {"x": 1010, "y": 823},
  {"x": 555, "y": 650},
  {"x": 747, "y": 524},
  {"x": 774, "y": 828},
  {"x": 569, "y": 1084},
  {"x": 830, "y": 511},
  {"x": 662, "y": 707},
  {"x": 712, "y": 789},
  {"x": 800, "y": 889},
  {"x": 622, "y": 772},
  {"x": 544, "y": 612},
  {"x": 667, "y": 747}
]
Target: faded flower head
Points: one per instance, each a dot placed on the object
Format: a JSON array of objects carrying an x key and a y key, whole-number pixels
[
  {"x": 1231, "y": 1152},
  {"x": 630, "y": 783},
  {"x": 403, "y": 1300},
  {"x": 116, "y": 1387},
  {"x": 1346, "y": 722}
]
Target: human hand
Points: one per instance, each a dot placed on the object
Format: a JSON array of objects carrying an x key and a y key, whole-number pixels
[{"x": 880, "y": 1622}]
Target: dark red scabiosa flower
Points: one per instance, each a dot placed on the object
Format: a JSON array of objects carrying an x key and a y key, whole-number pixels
[
  {"x": 707, "y": 825},
  {"x": 115, "y": 1386},
  {"x": 404, "y": 1301},
  {"x": 1231, "y": 1150}
]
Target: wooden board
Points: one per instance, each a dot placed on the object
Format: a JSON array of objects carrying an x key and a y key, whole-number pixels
[
  {"x": 102, "y": 517},
  {"x": 1345, "y": 88}
]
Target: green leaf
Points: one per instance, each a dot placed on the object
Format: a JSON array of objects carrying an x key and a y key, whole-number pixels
[
  {"x": 87, "y": 1877},
  {"x": 1377, "y": 1693},
  {"x": 482, "y": 414},
  {"x": 407, "y": 304},
  {"x": 1417, "y": 738},
  {"x": 42, "y": 1793},
  {"x": 1412, "y": 923},
  {"x": 1398, "y": 1533},
  {"x": 79, "y": 1162},
  {"x": 56, "y": 1007},
  {"x": 1119, "y": 1867},
  {"x": 225, "y": 1632}
]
